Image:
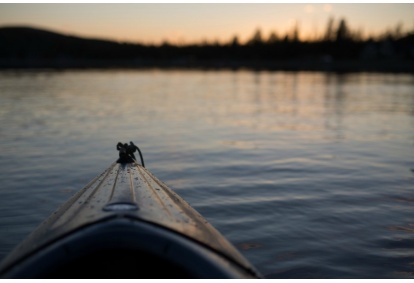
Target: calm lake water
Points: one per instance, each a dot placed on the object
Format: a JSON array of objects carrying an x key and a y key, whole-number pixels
[{"x": 309, "y": 175}]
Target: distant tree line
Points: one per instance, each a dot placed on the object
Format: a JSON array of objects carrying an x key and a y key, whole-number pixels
[
  {"x": 337, "y": 42},
  {"x": 338, "y": 48}
]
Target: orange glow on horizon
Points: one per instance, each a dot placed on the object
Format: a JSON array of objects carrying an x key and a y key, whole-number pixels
[{"x": 206, "y": 22}]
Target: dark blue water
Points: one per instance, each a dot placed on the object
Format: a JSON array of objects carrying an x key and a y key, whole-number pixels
[{"x": 309, "y": 175}]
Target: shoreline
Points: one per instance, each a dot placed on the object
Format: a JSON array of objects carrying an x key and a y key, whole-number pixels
[{"x": 344, "y": 66}]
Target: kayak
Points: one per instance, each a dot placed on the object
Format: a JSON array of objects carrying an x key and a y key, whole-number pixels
[{"x": 126, "y": 223}]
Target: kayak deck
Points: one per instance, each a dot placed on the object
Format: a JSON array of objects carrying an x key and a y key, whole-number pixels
[{"x": 126, "y": 221}]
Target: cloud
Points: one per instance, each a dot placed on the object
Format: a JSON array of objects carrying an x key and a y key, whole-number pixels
[
  {"x": 309, "y": 9},
  {"x": 327, "y": 8}
]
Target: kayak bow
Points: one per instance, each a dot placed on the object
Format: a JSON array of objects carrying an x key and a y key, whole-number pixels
[{"x": 126, "y": 223}]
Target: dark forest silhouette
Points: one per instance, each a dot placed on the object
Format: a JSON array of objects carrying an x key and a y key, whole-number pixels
[{"x": 338, "y": 49}]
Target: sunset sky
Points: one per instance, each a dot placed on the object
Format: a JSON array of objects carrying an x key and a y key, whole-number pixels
[{"x": 196, "y": 22}]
